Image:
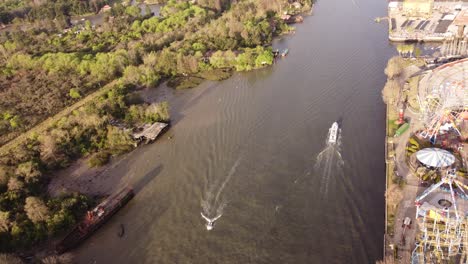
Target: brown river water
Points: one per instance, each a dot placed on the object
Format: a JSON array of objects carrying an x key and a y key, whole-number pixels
[{"x": 247, "y": 147}]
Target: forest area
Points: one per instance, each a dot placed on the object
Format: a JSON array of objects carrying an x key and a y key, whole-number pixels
[{"x": 47, "y": 64}]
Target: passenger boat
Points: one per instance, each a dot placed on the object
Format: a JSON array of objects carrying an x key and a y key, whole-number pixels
[{"x": 333, "y": 133}]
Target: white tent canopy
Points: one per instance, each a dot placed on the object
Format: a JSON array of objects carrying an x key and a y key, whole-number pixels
[{"x": 435, "y": 157}]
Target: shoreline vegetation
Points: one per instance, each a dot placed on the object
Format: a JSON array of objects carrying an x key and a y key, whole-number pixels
[
  {"x": 396, "y": 90},
  {"x": 393, "y": 185},
  {"x": 50, "y": 68}
]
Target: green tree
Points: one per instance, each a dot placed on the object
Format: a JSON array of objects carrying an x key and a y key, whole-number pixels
[
  {"x": 157, "y": 112},
  {"x": 74, "y": 93},
  {"x": 118, "y": 141},
  {"x": 15, "y": 122},
  {"x": 264, "y": 58},
  {"x": 223, "y": 59},
  {"x": 197, "y": 46},
  {"x": 60, "y": 221},
  {"x": 29, "y": 171},
  {"x": 133, "y": 11}
]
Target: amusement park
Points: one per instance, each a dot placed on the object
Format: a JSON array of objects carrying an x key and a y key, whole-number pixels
[{"x": 431, "y": 222}]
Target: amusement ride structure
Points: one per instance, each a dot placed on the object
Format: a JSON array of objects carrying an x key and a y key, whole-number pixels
[
  {"x": 443, "y": 224},
  {"x": 444, "y": 99}
]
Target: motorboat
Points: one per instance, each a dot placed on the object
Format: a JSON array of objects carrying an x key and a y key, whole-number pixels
[
  {"x": 210, "y": 222},
  {"x": 333, "y": 133}
]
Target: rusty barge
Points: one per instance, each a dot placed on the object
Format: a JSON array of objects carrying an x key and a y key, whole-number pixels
[{"x": 95, "y": 219}]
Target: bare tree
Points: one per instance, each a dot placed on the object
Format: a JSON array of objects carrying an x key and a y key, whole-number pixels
[
  {"x": 58, "y": 259},
  {"x": 10, "y": 259},
  {"x": 390, "y": 92},
  {"x": 5, "y": 221},
  {"x": 48, "y": 147},
  {"x": 15, "y": 184},
  {"x": 394, "y": 67},
  {"x": 4, "y": 175},
  {"x": 36, "y": 209}
]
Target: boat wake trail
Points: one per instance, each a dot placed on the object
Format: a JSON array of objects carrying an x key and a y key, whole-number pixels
[
  {"x": 329, "y": 163},
  {"x": 214, "y": 203}
]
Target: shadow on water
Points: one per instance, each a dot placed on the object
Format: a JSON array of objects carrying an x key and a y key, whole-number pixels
[
  {"x": 178, "y": 108},
  {"x": 340, "y": 121},
  {"x": 146, "y": 179}
]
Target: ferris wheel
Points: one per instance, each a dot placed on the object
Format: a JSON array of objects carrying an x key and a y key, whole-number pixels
[{"x": 444, "y": 101}]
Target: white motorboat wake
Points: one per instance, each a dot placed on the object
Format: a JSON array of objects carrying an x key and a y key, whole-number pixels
[
  {"x": 214, "y": 203},
  {"x": 329, "y": 160}
]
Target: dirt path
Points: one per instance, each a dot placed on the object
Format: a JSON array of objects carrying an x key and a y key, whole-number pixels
[{"x": 79, "y": 177}]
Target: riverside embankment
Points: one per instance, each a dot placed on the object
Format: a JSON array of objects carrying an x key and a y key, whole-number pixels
[{"x": 271, "y": 124}]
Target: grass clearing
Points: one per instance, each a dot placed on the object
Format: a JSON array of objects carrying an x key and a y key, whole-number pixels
[
  {"x": 216, "y": 74},
  {"x": 188, "y": 82}
]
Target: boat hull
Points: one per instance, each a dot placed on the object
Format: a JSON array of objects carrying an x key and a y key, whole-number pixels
[
  {"x": 86, "y": 228},
  {"x": 333, "y": 133}
]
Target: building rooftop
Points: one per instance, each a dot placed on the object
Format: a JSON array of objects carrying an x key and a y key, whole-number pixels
[{"x": 461, "y": 18}]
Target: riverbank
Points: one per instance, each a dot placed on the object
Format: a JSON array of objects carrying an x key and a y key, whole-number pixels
[
  {"x": 401, "y": 185},
  {"x": 95, "y": 181},
  {"x": 96, "y": 127}
]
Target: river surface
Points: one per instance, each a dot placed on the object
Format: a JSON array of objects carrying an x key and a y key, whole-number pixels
[{"x": 247, "y": 147}]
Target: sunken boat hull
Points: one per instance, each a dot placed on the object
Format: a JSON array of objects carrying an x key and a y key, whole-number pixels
[{"x": 95, "y": 219}]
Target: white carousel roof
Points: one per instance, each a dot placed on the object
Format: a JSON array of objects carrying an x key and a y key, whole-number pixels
[{"x": 435, "y": 157}]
